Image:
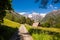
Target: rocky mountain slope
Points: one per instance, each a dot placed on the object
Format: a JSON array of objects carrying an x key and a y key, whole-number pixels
[
  {"x": 36, "y": 17},
  {"x": 52, "y": 18}
]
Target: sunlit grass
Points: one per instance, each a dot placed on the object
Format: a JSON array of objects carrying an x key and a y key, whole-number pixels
[
  {"x": 50, "y": 29},
  {"x": 41, "y": 36},
  {"x": 11, "y": 23},
  {"x": 42, "y": 33},
  {"x": 44, "y": 28},
  {"x": 8, "y": 28},
  {"x": 28, "y": 27}
]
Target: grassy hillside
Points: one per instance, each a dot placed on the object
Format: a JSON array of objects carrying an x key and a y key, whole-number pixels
[
  {"x": 8, "y": 29},
  {"x": 52, "y": 19},
  {"x": 11, "y": 23},
  {"x": 13, "y": 16},
  {"x": 43, "y": 28},
  {"x": 42, "y": 33}
]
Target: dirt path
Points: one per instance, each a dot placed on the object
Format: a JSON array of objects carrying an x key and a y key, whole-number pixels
[
  {"x": 25, "y": 34},
  {"x": 22, "y": 34}
]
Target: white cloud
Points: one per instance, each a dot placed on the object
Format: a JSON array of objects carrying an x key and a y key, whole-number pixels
[
  {"x": 43, "y": 14},
  {"x": 35, "y": 13},
  {"x": 23, "y": 13},
  {"x": 30, "y": 15}
]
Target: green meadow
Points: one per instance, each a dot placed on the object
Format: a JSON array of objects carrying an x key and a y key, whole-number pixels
[
  {"x": 8, "y": 29},
  {"x": 43, "y": 33},
  {"x": 11, "y": 23}
]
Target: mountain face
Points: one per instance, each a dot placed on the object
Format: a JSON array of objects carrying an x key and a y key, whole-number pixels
[
  {"x": 35, "y": 17},
  {"x": 52, "y": 18}
]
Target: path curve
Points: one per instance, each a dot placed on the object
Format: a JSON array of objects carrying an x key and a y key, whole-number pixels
[
  {"x": 25, "y": 34},
  {"x": 22, "y": 34}
]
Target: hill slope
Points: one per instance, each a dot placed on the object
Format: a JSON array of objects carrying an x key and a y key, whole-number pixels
[
  {"x": 8, "y": 29},
  {"x": 13, "y": 16},
  {"x": 11, "y": 23},
  {"x": 52, "y": 18}
]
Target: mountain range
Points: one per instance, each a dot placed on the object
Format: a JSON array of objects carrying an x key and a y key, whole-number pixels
[
  {"x": 52, "y": 18},
  {"x": 35, "y": 16}
]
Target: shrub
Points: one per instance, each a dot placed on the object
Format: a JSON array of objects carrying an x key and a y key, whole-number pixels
[{"x": 46, "y": 25}]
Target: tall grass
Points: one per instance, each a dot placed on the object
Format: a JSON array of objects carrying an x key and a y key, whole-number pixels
[
  {"x": 43, "y": 34},
  {"x": 38, "y": 34}
]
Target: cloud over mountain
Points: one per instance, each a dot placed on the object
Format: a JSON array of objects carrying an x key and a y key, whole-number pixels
[{"x": 33, "y": 13}]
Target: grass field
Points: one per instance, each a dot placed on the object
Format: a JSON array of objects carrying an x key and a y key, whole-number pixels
[
  {"x": 42, "y": 36},
  {"x": 50, "y": 29},
  {"x": 42, "y": 33},
  {"x": 44, "y": 28},
  {"x": 8, "y": 29},
  {"x": 11, "y": 23}
]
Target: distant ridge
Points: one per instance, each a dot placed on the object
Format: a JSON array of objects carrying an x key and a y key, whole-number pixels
[
  {"x": 53, "y": 18},
  {"x": 36, "y": 17}
]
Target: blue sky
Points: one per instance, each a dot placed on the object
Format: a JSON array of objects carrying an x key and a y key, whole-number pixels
[{"x": 30, "y": 6}]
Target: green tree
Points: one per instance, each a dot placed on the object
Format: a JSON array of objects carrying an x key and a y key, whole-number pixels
[
  {"x": 29, "y": 21},
  {"x": 4, "y": 5},
  {"x": 22, "y": 20}
]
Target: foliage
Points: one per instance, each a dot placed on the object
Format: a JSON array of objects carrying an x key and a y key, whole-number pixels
[
  {"x": 18, "y": 18},
  {"x": 46, "y": 25},
  {"x": 41, "y": 36},
  {"x": 57, "y": 25},
  {"x": 4, "y": 5},
  {"x": 44, "y": 28},
  {"x": 28, "y": 27},
  {"x": 29, "y": 21},
  {"x": 8, "y": 15},
  {"x": 11, "y": 15},
  {"x": 38, "y": 34},
  {"x": 43, "y": 33},
  {"x": 22, "y": 20},
  {"x": 52, "y": 19}
]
